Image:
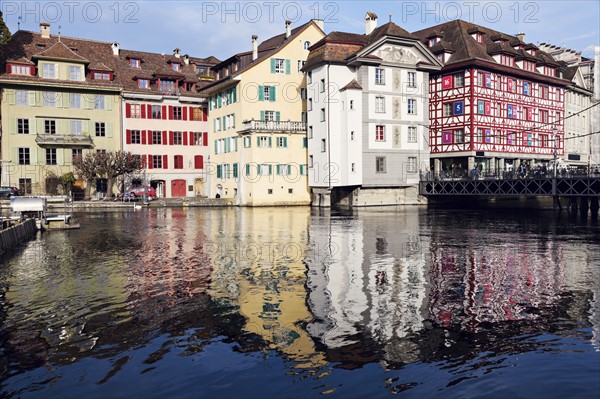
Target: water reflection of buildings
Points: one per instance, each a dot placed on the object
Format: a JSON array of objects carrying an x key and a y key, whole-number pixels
[
  {"x": 367, "y": 286},
  {"x": 257, "y": 256}
]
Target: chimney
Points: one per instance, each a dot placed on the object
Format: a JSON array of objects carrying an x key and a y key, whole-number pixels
[
  {"x": 115, "y": 48},
  {"x": 288, "y": 28},
  {"x": 45, "y": 30},
  {"x": 370, "y": 22},
  {"x": 186, "y": 59},
  {"x": 521, "y": 36},
  {"x": 176, "y": 53},
  {"x": 254, "y": 47}
]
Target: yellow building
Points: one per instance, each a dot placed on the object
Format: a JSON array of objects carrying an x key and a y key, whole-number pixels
[
  {"x": 59, "y": 100},
  {"x": 257, "y": 119}
]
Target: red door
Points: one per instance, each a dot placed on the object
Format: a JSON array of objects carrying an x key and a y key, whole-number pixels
[{"x": 178, "y": 188}]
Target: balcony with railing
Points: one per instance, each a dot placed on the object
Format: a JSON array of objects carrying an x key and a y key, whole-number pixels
[
  {"x": 273, "y": 126},
  {"x": 64, "y": 140}
]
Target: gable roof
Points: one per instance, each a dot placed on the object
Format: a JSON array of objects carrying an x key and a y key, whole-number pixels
[{"x": 59, "y": 51}]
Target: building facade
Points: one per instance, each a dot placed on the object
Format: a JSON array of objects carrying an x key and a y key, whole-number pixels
[
  {"x": 257, "y": 121},
  {"x": 165, "y": 119},
  {"x": 497, "y": 102},
  {"x": 60, "y": 100},
  {"x": 367, "y": 116}
]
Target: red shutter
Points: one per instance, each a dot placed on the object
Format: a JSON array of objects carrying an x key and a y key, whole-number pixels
[
  {"x": 149, "y": 111},
  {"x": 150, "y": 163},
  {"x": 204, "y": 115},
  {"x": 143, "y": 135},
  {"x": 185, "y": 138},
  {"x": 164, "y": 138},
  {"x": 199, "y": 162},
  {"x": 191, "y": 142},
  {"x": 164, "y": 112},
  {"x": 144, "y": 161},
  {"x": 171, "y": 140},
  {"x": 143, "y": 108},
  {"x": 128, "y": 136},
  {"x": 8, "y": 68},
  {"x": 165, "y": 162},
  {"x": 170, "y": 112},
  {"x": 150, "y": 137},
  {"x": 128, "y": 110},
  {"x": 185, "y": 113},
  {"x": 205, "y": 138}
]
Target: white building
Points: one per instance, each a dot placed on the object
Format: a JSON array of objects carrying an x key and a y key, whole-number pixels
[{"x": 367, "y": 103}]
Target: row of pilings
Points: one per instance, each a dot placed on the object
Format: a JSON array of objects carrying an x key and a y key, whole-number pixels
[
  {"x": 583, "y": 205},
  {"x": 13, "y": 236}
]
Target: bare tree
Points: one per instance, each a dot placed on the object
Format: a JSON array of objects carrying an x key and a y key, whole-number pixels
[
  {"x": 120, "y": 164},
  {"x": 86, "y": 168}
]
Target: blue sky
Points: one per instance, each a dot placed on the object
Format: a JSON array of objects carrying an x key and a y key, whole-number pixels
[{"x": 223, "y": 28}]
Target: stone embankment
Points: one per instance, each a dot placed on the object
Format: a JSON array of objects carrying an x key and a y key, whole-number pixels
[{"x": 12, "y": 237}]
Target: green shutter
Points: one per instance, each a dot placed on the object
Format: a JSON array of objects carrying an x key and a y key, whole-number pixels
[
  {"x": 304, "y": 142},
  {"x": 302, "y": 169},
  {"x": 235, "y": 170},
  {"x": 277, "y": 116},
  {"x": 235, "y": 94},
  {"x": 270, "y": 141},
  {"x": 262, "y": 115},
  {"x": 278, "y": 169},
  {"x": 285, "y": 142},
  {"x": 219, "y": 101},
  {"x": 247, "y": 169},
  {"x": 272, "y": 65},
  {"x": 236, "y": 143},
  {"x": 287, "y": 67},
  {"x": 270, "y": 170},
  {"x": 216, "y": 146},
  {"x": 219, "y": 171},
  {"x": 272, "y": 93},
  {"x": 289, "y": 170},
  {"x": 261, "y": 93},
  {"x": 258, "y": 141},
  {"x": 12, "y": 96}
]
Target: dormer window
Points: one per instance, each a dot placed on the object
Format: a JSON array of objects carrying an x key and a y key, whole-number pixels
[
  {"x": 478, "y": 36},
  {"x": 549, "y": 71},
  {"x": 176, "y": 66},
  {"x": 134, "y": 62},
  {"x": 144, "y": 83},
  {"x": 433, "y": 41},
  {"x": 529, "y": 66},
  {"x": 507, "y": 60},
  {"x": 14, "y": 69},
  {"x": 532, "y": 51},
  {"x": 49, "y": 71},
  {"x": 441, "y": 57},
  {"x": 101, "y": 76}
]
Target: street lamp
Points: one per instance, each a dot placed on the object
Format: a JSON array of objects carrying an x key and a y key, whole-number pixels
[{"x": 555, "y": 131}]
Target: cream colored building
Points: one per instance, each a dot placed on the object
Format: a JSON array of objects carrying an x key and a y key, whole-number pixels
[
  {"x": 257, "y": 121},
  {"x": 59, "y": 100}
]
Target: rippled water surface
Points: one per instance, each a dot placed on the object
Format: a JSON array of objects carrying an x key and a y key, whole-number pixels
[{"x": 296, "y": 303}]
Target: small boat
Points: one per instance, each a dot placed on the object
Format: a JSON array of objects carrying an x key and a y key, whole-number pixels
[
  {"x": 36, "y": 207},
  {"x": 59, "y": 222}
]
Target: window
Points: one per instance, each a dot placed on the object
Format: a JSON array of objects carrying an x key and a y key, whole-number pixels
[
  {"x": 49, "y": 99},
  {"x": 478, "y": 37},
  {"x": 156, "y": 112},
  {"x": 247, "y": 142},
  {"x": 380, "y": 164},
  {"x": 300, "y": 65},
  {"x": 441, "y": 57},
  {"x": 178, "y": 162},
  {"x": 448, "y": 109},
  {"x": 281, "y": 142},
  {"x": 136, "y": 137},
  {"x": 412, "y": 79},
  {"x": 49, "y": 126},
  {"x": 431, "y": 42},
  {"x": 352, "y": 135},
  {"x": 101, "y": 76},
  {"x": 50, "y": 156},
  {"x": 379, "y": 133},
  {"x": 479, "y": 135},
  {"x": 76, "y": 128},
  {"x": 459, "y": 136},
  {"x": 323, "y": 145},
  {"x": 136, "y": 111},
  {"x": 322, "y": 114},
  {"x": 20, "y": 70},
  {"x": 100, "y": 129},
  {"x": 197, "y": 114},
  {"x": 134, "y": 62},
  {"x": 264, "y": 169},
  {"x": 75, "y": 100},
  {"x": 177, "y": 138},
  {"x": 269, "y": 116},
  {"x": 198, "y": 138},
  {"x": 49, "y": 71},
  {"x": 264, "y": 142},
  {"x": 507, "y": 60},
  {"x": 177, "y": 113},
  {"x": 143, "y": 83},
  {"x": 459, "y": 79},
  {"x": 545, "y": 92},
  {"x": 167, "y": 86},
  {"x": 22, "y": 97},
  {"x": 176, "y": 66},
  {"x": 379, "y": 76},
  {"x": 76, "y": 153},
  {"x": 322, "y": 85},
  {"x": 544, "y": 116},
  {"x": 157, "y": 161},
  {"x": 99, "y": 102},
  {"x": 306, "y": 45},
  {"x": 23, "y": 126},
  {"x": 267, "y": 93},
  {"x": 412, "y": 165},
  {"x": 412, "y": 106},
  {"x": 379, "y": 104},
  {"x": 309, "y": 77},
  {"x": 309, "y": 104},
  {"x": 156, "y": 137},
  {"x": 353, "y": 167},
  {"x": 351, "y": 104},
  {"x": 279, "y": 65},
  {"x": 25, "y": 186},
  {"x": 529, "y": 66},
  {"x": 24, "y": 156},
  {"x": 412, "y": 134},
  {"x": 311, "y": 161},
  {"x": 526, "y": 88},
  {"x": 74, "y": 72},
  {"x": 310, "y": 132},
  {"x": 512, "y": 85}
]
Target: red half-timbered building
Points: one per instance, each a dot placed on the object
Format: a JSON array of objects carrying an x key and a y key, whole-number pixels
[{"x": 497, "y": 102}]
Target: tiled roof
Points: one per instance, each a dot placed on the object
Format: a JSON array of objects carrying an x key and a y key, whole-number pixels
[
  {"x": 21, "y": 60},
  {"x": 99, "y": 66},
  {"x": 352, "y": 85},
  {"x": 60, "y": 51}
]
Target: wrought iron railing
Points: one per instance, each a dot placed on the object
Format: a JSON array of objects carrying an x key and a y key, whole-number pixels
[
  {"x": 265, "y": 126},
  {"x": 64, "y": 139}
]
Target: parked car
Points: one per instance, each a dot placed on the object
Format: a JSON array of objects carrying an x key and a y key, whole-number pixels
[
  {"x": 8, "y": 192},
  {"x": 138, "y": 192}
]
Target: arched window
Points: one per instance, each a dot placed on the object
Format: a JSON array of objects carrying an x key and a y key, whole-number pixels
[{"x": 306, "y": 45}]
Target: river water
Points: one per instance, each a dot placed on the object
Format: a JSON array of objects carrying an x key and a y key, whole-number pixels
[{"x": 301, "y": 303}]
